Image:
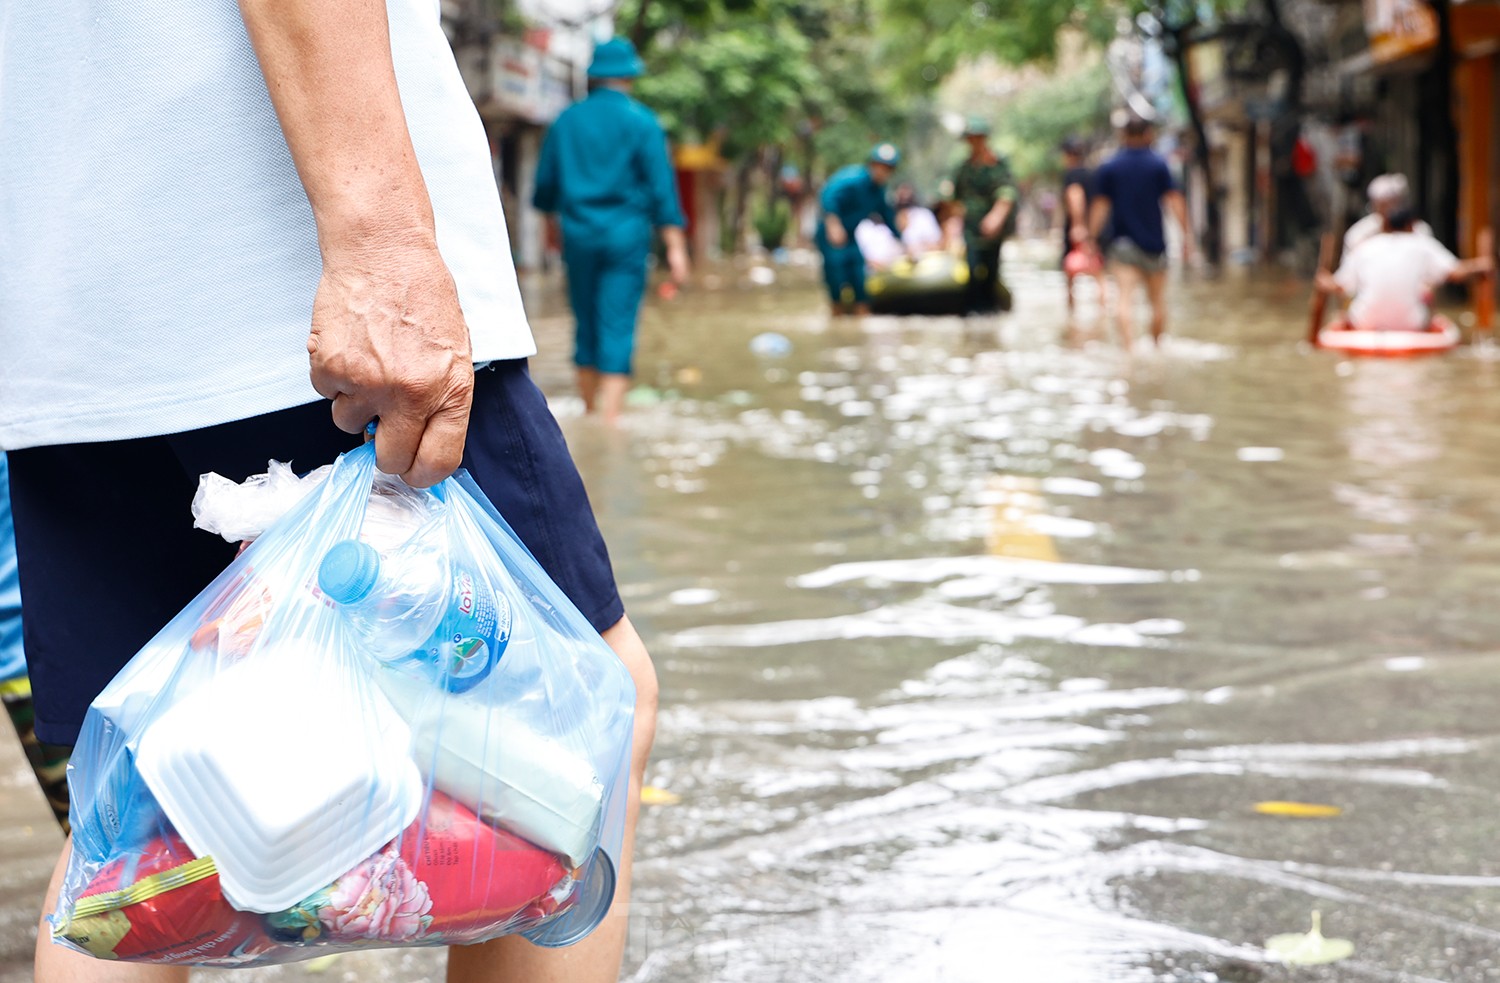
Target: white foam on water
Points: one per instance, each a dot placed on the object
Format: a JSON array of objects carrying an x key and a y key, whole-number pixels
[
  {"x": 689, "y": 596},
  {"x": 1072, "y": 486},
  {"x": 928, "y": 570}
]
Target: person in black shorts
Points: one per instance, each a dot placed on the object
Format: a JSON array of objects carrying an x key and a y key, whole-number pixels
[
  {"x": 85, "y": 513},
  {"x": 293, "y": 233},
  {"x": 1078, "y": 195}
]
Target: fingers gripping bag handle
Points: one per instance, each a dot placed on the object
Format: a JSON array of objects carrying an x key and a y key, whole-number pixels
[{"x": 362, "y": 733}]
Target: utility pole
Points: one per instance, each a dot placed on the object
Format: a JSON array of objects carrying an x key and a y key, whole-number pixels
[{"x": 1178, "y": 19}]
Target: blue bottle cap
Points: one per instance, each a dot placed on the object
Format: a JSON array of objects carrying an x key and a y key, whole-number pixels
[{"x": 348, "y": 571}]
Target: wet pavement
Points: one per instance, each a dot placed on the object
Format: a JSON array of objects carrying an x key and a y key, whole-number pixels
[{"x": 980, "y": 642}]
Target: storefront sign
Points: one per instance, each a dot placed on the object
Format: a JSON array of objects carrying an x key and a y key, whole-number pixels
[
  {"x": 1399, "y": 29},
  {"x": 529, "y": 83}
]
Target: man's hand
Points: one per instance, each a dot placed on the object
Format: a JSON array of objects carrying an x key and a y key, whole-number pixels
[
  {"x": 1078, "y": 234},
  {"x": 838, "y": 236},
  {"x": 994, "y": 220},
  {"x": 677, "y": 264},
  {"x": 677, "y": 257},
  {"x": 389, "y": 341},
  {"x": 1325, "y": 283}
]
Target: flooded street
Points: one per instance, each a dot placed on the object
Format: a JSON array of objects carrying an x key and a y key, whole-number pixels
[{"x": 980, "y": 642}]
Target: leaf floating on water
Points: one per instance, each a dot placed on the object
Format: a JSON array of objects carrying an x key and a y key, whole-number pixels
[
  {"x": 1312, "y": 949},
  {"x": 322, "y": 964},
  {"x": 653, "y": 796},
  {"x": 1298, "y": 810}
]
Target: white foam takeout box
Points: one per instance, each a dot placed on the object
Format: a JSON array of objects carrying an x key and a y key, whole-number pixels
[{"x": 286, "y": 778}]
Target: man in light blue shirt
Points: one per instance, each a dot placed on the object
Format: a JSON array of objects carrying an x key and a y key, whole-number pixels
[{"x": 604, "y": 170}]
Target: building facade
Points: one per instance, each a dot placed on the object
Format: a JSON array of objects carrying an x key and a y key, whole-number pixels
[
  {"x": 1369, "y": 86},
  {"x": 524, "y": 62}
]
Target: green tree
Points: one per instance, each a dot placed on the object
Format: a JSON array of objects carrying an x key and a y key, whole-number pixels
[
  {"x": 925, "y": 40},
  {"x": 767, "y": 81}
]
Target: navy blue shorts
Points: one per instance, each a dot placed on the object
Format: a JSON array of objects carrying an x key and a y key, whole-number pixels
[{"x": 108, "y": 553}]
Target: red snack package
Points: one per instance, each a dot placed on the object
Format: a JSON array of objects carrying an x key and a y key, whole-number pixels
[
  {"x": 449, "y": 878},
  {"x": 163, "y": 905}
]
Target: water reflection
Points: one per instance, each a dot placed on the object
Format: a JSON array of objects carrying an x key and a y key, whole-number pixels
[
  {"x": 979, "y": 642},
  {"x": 1015, "y": 635}
]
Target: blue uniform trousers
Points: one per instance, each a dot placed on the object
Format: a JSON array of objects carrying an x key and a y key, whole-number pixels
[
  {"x": 606, "y": 280},
  {"x": 843, "y": 266}
]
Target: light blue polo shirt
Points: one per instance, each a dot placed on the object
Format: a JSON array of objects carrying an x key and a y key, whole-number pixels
[{"x": 158, "y": 257}]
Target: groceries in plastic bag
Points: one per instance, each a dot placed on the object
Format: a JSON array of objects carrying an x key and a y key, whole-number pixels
[{"x": 382, "y": 725}]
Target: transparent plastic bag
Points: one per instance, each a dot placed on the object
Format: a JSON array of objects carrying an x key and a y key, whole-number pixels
[{"x": 380, "y": 726}]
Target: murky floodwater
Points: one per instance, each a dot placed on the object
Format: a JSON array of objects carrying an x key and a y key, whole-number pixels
[{"x": 979, "y": 643}]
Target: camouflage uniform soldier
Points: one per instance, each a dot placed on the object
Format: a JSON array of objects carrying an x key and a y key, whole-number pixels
[{"x": 984, "y": 187}]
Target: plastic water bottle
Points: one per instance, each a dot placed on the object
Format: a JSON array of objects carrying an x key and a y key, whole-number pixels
[{"x": 412, "y": 606}]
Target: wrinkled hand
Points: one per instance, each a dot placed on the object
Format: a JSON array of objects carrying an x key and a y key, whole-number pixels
[{"x": 389, "y": 341}]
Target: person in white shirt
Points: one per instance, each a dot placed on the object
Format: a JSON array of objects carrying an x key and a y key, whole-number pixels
[
  {"x": 878, "y": 243},
  {"x": 1391, "y": 276},
  {"x": 236, "y": 231},
  {"x": 920, "y": 232},
  {"x": 1388, "y": 193}
]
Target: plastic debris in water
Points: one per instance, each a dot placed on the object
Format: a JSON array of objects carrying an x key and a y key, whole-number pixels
[
  {"x": 643, "y": 396},
  {"x": 1298, "y": 810},
  {"x": 1256, "y": 454},
  {"x": 1311, "y": 949},
  {"x": 653, "y": 796},
  {"x": 769, "y": 344},
  {"x": 762, "y": 276}
]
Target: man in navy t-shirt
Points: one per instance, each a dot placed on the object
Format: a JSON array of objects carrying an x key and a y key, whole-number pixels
[{"x": 1130, "y": 190}]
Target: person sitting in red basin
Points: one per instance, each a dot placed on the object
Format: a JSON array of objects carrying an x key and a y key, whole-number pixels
[{"x": 1391, "y": 276}]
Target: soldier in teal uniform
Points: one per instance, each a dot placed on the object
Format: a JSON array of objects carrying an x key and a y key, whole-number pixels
[
  {"x": 853, "y": 194},
  {"x": 604, "y": 170},
  {"x": 984, "y": 187}
]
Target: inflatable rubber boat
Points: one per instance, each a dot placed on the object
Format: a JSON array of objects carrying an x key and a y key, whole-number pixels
[
  {"x": 1440, "y": 336},
  {"x": 936, "y": 283}
]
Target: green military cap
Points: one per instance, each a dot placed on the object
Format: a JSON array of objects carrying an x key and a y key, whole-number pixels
[
  {"x": 885, "y": 153},
  {"x": 977, "y": 126}
]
